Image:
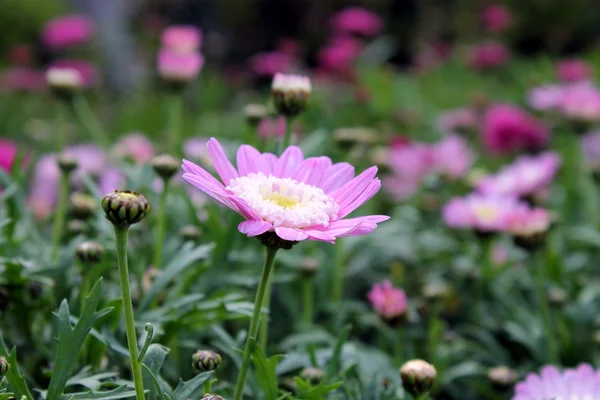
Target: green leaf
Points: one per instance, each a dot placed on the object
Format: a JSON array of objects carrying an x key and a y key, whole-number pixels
[
  {"x": 188, "y": 389},
  {"x": 151, "y": 383},
  {"x": 71, "y": 339},
  {"x": 308, "y": 392},
  {"x": 7, "y": 396},
  {"x": 15, "y": 380},
  {"x": 119, "y": 393},
  {"x": 153, "y": 361},
  {"x": 335, "y": 362},
  {"x": 90, "y": 381},
  {"x": 265, "y": 370}
]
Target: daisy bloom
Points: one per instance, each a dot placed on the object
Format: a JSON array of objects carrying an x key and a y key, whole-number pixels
[
  {"x": 67, "y": 31},
  {"x": 179, "y": 68},
  {"x": 545, "y": 97},
  {"x": 573, "y": 70},
  {"x": 582, "y": 382},
  {"x": 357, "y": 20},
  {"x": 294, "y": 197},
  {"x": 389, "y": 302},
  {"x": 481, "y": 213},
  {"x": 182, "y": 38}
]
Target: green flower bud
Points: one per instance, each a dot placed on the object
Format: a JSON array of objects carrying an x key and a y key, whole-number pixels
[
  {"x": 255, "y": 113},
  {"x": 211, "y": 397},
  {"x": 67, "y": 163},
  {"x": 290, "y": 93},
  {"x": 165, "y": 166},
  {"x": 206, "y": 360},
  {"x": 76, "y": 227},
  {"x": 313, "y": 375},
  {"x": 89, "y": 252},
  {"x": 502, "y": 377},
  {"x": 4, "y": 367},
  {"x": 418, "y": 377},
  {"x": 82, "y": 206},
  {"x": 124, "y": 207},
  {"x": 190, "y": 233}
]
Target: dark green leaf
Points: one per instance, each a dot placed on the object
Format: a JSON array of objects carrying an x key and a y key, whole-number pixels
[
  {"x": 188, "y": 389},
  {"x": 16, "y": 381}
]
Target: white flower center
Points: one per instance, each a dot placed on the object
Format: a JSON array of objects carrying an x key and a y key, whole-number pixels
[{"x": 285, "y": 202}]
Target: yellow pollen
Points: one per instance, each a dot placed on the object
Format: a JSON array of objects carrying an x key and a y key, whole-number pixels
[
  {"x": 486, "y": 212},
  {"x": 283, "y": 200}
]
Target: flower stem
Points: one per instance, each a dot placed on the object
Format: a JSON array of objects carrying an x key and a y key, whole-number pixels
[
  {"x": 287, "y": 139},
  {"x": 398, "y": 345},
  {"x": 264, "y": 319},
  {"x": 61, "y": 123},
  {"x": 207, "y": 386},
  {"x": 175, "y": 116},
  {"x": 307, "y": 299},
  {"x": 540, "y": 279},
  {"x": 338, "y": 272},
  {"x": 136, "y": 367},
  {"x": 161, "y": 226},
  {"x": 89, "y": 120},
  {"x": 59, "y": 216},
  {"x": 258, "y": 302}
]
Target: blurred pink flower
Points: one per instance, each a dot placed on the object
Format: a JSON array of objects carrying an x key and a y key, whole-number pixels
[
  {"x": 182, "y": 38},
  {"x": 507, "y": 128},
  {"x": 177, "y": 66},
  {"x": 87, "y": 71},
  {"x": 590, "y": 147},
  {"x": 488, "y": 55},
  {"x": 267, "y": 64},
  {"x": 67, "y": 31},
  {"x": 582, "y": 382},
  {"x": 527, "y": 176},
  {"x": 581, "y": 103},
  {"x": 196, "y": 150},
  {"x": 527, "y": 221},
  {"x": 496, "y": 18},
  {"x": 20, "y": 55},
  {"x": 22, "y": 79},
  {"x": 271, "y": 127},
  {"x": 357, "y": 20},
  {"x": 481, "y": 213},
  {"x": 134, "y": 146},
  {"x": 111, "y": 179},
  {"x": 573, "y": 70},
  {"x": 8, "y": 153},
  {"x": 289, "y": 46},
  {"x": 546, "y": 97},
  {"x": 430, "y": 55},
  {"x": 452, "y": 157},
  {"x": 389, "y": 302},
  {"x": 457, "y": 120},
  {"x": 339, "y": 54},
  {"x": 408, "y": 165}
]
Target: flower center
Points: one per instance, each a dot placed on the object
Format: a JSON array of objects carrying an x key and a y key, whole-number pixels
[
  {"x": 485, "y": 212},
  {"x": 285, "y": 202}
]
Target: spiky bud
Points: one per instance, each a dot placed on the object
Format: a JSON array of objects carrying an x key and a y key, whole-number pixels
[
  {"x": 290, "y": 93},
  {"x": 211, "y": 397},
  {"x": 502, "y": 377},
  {"x": 82, "y": 206},
  {"x": 124, "y": 207},
  {"x": 309, "y": 266},
  {"x": 165, "y": 166},
  {"x": 418, "y": 376},
  {"x": 313, "y": 375},
  {"x": 255, "y": 113},
  {"x": 4, "y": 366},
  {"x": 190, "y": 233},
  {"x": 206, "y": 360},
  {"x": 89, "y": 252},
  {"x": 66, "y": 163}
]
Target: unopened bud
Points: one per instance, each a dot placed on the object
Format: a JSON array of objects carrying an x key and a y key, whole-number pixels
[
  {"x": 502, "y": 377},
  {"x": 255, "y": 113},
  {"x": 309, "y": 266},
  {"x": 76, "y": 227},
  {"x": 4, "y": 366},
  {"x": 211, "y": 397},
  {"x": 66, "y": 163},
  {"x": 557, "y": 296},
  {"x": 190, "y": 233},
  {"x": 64, "y": 82},
  {"x": 89, "y": 252},
  {"x": 124, "y": 207},
  {"x": 313, "y": 375},
  {"x": 165, "y": 166},
  {"x": 435, "y": 291},
  {"x": 206, "y": 360},
  {"x": 82, "y": 206},
  {"x": 418, "y": 377},
  {"x": 290, "y": 93}
]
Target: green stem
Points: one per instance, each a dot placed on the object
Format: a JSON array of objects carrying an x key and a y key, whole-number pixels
[
  {"x": 338, "y": 272},
  {"x": 175, "y": 117},
  {"x": 258, "y": 302},
  {"x": 207, "y": 386},
  {"x": 287, "y": 139},
  {"x": 62, "y": 118},
  {"x": 89, "y": 121},
  {"x": 540, "y": 278},
  {"x": 423, "y": 396},
  {"x": 136, "y": 366},
  {"x": 307, "y": 299},
  {"x": 161, "y": 226},
  {"x": 85, "y": 284},
  {"x": 264, "y": 319},
  {"x": 59, "y": 216}
]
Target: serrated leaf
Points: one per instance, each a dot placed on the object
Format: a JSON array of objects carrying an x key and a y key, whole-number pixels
[
  {"x": 153, "y": 361},
  {"x": 265, "y": 371},
  {"x": 71, "y": 339},
  {"x": 309, "y": 392},
  {"x": 188, "y": 389},
  {"x": 119, "y": 393},
  {"x": 16, "y": 381},
  {"x": 89, "y": 381},
  {"x": 151, "y": 384}
]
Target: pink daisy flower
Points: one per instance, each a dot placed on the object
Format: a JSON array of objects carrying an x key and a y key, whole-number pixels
[
  {"x": 357, "y": 20},
  {"x": 581, "y": 103},
  {"x": 388, "y": 301},
  {"x": 179, "y": 67},
  {"x": 67, "y": 31},
  {"x": 573, "y": 70},
  {"x": 452, "y": 157},
  {"x": 296, "y": 198},
  {"x": 408, "y": 164},
  {"x": 546, "y": 97},
  {"x": 182, "y": 38},
  {"x": 488, "y": 55},
  {"x": 496, "y": 18},
  {"x": 269, "y": 63},
  {"x": 582, "y": 382},
  {"x": 481, "y": 213},
  {"x": 526, "y": 222},
  {"x": 135, "y": 146}
]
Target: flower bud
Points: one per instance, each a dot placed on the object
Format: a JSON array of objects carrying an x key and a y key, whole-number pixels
[
  {"x": 89, "y": 252},
  {"x": 255, "y": 113},
  {"x": 502, "y": 377},
  {"x": 206, "y": 360},
  {"x": 270, "y": 239},
  {"x": 290, "y": 93},
  {"x": 124, "y": 207},
  {"x": 211, "y": 397},
  {"x": 82, "y": 206},
  {"x": 66, "y": 163},
  {"x": 165, "y": 166},
  {"x": 64, "y": 82},
  {"x": 4, "y": 366},
  {"x": 76, "y": 227},
  {"x": 190, "y": 233},
  {"x": 309, "y": 266},
  {"x": 557, "y": 296},
  {"x": 435, "y": 291},
  {"x": 418, "y": 376},
  {"x": 313, "y": 375}
]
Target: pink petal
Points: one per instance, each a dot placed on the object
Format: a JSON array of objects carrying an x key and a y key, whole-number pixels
[
  {"x": 320, "y": 236},
  {"x": 311, "y": 170},
  {"x": 291, "y": 234},
  {"x": 224, "y": 167},
  {"x": 269, "y": 159},
  {"x": 249, "y": 160},
  {"x": 355, "y": 187},
  {"x": 336, "y": 176},
  {"x": 347, "y": 207},
  {"x": 288, "y": 162},
  {"x": 210, "y": 190},
  {"x": 368, "y": 225},
  {"x": 254, "y": 227}
]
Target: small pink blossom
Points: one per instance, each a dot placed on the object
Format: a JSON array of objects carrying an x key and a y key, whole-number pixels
[
  {"x": 177, "y": 66},
  {"x": 339, "y": 54},
  {"x": 408, "y": 165},
  {"x": 480, "y": 213},
  {"x": 496, "y": 18},
  {"x": 389, "y": 302},
  {"x": 134, "y": 146},
  {"x": 527, "y": 176},
  {"x": 452, "y": 157},
  {"x": 546, "y": 97},
  {"x": 22, "y": 79},
  {"x": 507, "y": 128},
  {"x": 358, "y": 21},
  {"x": 488, "y": 55},
  {"x": 182, "y": 38},
  {"x": 8, "y": 153},
  {"x": 267, "y": 64},
  {"x": 67, "y": 31},
  {"x": 266, "y": 190},
  {"x": 582, "y": 382},
  {"x": 87, "y": 71},
  {"x": 196, "y": 149},
  {"x": 581, "y": 103},
  {"x": 271, "y": 127},
  {"x": 573, "y": 70},
  {"x": 526, "y": 222},
  {"x": 458, "y": 120},
  {"x": 590, "y": 147}
]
